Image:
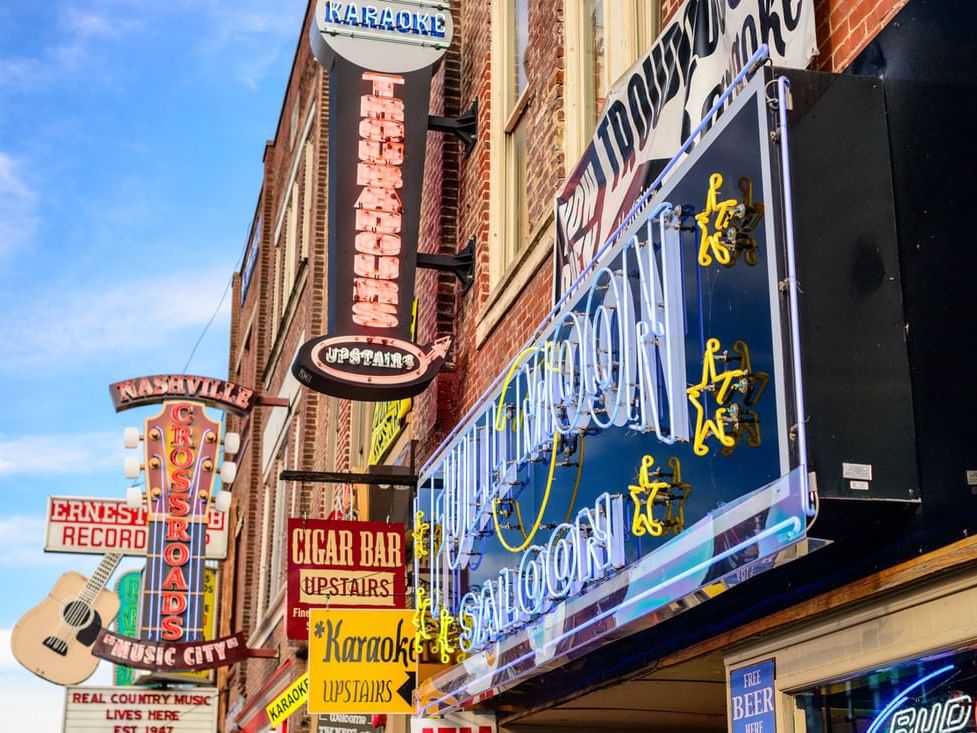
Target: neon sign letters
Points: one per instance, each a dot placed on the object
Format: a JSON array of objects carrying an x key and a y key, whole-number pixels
[
  {"x": 181, "y": 453},
  {"x": 623, "y": 366},
  {"x": 370, "y": 16},
  {"x": 376, "y": 293},
  {"x": 946, "y": 716},
  {"x": 575, "y": 554}
]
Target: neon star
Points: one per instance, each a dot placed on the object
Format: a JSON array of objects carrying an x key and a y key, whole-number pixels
[
  {"x": 421, "y": 614},
  {"x": 419, "y": 533},
  {"x": 652, "y": 491},
  {"x": 723, "y": 385},
  {"x": 443, "y": 644}
]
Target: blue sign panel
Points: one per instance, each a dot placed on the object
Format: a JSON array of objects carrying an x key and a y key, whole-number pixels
[
  {"x": 637, "y": 456},
  {"x": 751, "y": 699}
]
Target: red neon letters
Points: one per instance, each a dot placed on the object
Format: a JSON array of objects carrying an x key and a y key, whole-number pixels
[
  {"x": 176, "y": 552},
  {"x": 376, "y": 265}
]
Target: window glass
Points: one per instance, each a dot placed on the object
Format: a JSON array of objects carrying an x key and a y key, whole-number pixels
[
  {"x": 520, "y": 17},
  {"x": 596, "y": 21},
  {"x": 936, "y": 694}
]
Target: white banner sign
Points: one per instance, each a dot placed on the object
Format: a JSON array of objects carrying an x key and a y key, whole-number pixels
[
  {"x": 455, "y": 723},
  {"x": 98, "y": 526},
  {"x": 654, "y": 107},
  {"x": 134, "y": 710}
]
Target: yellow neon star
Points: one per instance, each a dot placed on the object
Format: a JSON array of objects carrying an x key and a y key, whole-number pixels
[
  {"x": 721, "y": 383},
  {"x": 745, "y": 381},
  {"x": 419, "y": 533},
  {"x": 670, "y": 494},
  {"x": 443, "y": 644},
  {"x": 421, "y": 614},
  {"x": 710, "y": 242}
]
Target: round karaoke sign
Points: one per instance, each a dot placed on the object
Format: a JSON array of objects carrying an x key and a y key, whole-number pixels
[{"x": 383, "y": 35}]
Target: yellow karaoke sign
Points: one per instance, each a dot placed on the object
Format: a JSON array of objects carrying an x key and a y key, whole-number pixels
[
  {"x": 289, "y": 701},
  {"x": 361, "y": 661}
]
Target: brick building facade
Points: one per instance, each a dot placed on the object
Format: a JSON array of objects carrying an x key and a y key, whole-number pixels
[{"x": 538, "y": 97}]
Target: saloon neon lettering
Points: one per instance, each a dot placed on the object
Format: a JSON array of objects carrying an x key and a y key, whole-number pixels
[
  {"x": 575, "y": 554},
  {"x": 620, "y": 362},
  {"x": 379, "y": 211}
]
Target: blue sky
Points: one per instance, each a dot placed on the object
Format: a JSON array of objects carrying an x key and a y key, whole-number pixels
[{"x": 131, "y": 135}]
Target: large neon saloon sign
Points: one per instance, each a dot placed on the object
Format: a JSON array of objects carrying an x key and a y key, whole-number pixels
[{"x": 642, "y": 447}]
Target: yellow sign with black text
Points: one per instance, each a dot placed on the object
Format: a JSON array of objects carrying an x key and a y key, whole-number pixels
[
  {"x": 361, "y": 661},
  {"x": 289, "y": 701}
]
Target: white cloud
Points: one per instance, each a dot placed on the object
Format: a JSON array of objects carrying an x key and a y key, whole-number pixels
[
  {"x": 21, "y": 546},
  {"x": 56, "y": 454},
  {"x": 18, "y": 206},
  {"x": 79, "y": 32},
  {"x": 251, "y": 34},
  {"x": 105, "y": 321},
  {"x": 30, "y": 703}
]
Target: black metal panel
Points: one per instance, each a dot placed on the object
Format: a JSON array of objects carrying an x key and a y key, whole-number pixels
[{"x": 856, "y": 372}]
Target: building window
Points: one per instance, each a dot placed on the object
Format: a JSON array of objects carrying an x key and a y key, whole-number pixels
[
  {"x": 282, "y": 505},
  {"x": 511, "y": 92},
  {"x": 603, "y": 39},
  {"x": 263, "y": 580},
  {"x": 597, "y": 91},
  {"x": 519, "y": 28}
]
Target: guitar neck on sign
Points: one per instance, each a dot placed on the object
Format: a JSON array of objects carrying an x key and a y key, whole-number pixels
[{"x": 181, "y": 446}]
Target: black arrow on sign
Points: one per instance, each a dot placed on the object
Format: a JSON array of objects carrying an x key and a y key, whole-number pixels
[{"x": 406, "y": 690}]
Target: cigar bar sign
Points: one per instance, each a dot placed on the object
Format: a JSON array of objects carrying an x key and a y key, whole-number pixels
[
  {"x": 129, "y": 710},
  {"x": 342, "y": 565},
  {"x": 97, "y": 526},
  {"x": 379, "y": 58}
]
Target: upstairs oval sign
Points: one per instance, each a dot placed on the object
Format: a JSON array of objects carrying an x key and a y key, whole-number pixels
[{"x": 382, "y": 35}]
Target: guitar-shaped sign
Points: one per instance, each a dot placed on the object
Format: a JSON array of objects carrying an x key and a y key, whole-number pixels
[
  {"x": 53, "y": 640},
  {"x": 181, "y": 445}
]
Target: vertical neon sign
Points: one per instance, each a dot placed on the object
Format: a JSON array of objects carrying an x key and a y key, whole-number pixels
[
  {"x": 379, "y": 211},
  {"x": 379, "y": 94}
]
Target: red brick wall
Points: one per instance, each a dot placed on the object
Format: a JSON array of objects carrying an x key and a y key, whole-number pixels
[
  {"x": 474, "y": 367},
  {"x": 844, "y": 27}
]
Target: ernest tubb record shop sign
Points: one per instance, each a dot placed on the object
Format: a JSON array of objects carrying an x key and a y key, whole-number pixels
[{"x": 379, "y": 57}]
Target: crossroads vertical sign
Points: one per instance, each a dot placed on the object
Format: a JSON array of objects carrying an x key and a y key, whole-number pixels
[{"x": 379, "y": 57}]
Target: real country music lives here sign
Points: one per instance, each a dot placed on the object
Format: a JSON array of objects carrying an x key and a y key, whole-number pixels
[
  {"x": 133, "y": 710},
  {"x": 379, "y": 57},
  {"x": 342, "y": 565},
  {"x": 656, "y": 104},
  {"x": 98, "y": 526}
]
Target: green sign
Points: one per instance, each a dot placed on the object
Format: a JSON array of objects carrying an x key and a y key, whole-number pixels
[{"x": 127, "y": 622}]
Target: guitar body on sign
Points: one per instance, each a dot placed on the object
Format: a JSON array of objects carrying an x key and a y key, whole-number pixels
[{"x": 53, "y": 640}]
